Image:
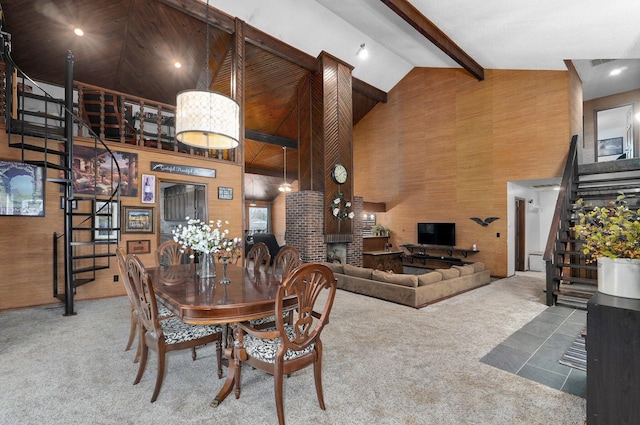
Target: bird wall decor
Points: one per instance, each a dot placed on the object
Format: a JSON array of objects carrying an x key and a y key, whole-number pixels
[{"x": 485, "y": 222}]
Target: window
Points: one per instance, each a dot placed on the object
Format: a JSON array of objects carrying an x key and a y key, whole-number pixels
[{"x": 258, "y": 220}]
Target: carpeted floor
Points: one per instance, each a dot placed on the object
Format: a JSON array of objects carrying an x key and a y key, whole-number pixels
[{"x": 384, "y": 364}]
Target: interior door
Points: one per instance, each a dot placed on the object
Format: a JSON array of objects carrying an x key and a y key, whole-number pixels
[
  {"x": 177, "y": 202},
  {"x": 520, "y": 260}
]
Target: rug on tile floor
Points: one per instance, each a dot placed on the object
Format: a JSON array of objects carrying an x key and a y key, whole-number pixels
[{"x": 576, "y": 354}]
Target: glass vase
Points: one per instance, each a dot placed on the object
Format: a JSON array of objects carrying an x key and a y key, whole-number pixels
[
  {"x": 206, "y": 265},
  {"x": 225, "y": 280}
]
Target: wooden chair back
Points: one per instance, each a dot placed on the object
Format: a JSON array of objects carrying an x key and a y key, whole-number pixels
[
  {"x": 314, "y": 287},
  {"x": 287, "y": 260},
  {"x": 122, "y": 266},
  {"x": 258, "y": 256},
  {"x": 146, "y": 304},
  {"x": 171, "y": 253}
]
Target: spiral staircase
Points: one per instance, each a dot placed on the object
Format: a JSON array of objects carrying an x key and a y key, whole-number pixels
[{"x": 88, "y": 238}]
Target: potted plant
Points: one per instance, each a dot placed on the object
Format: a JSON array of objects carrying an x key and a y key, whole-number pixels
[
  {"x": 380, "y": 230},
  {"x": 612, "y": 236}
]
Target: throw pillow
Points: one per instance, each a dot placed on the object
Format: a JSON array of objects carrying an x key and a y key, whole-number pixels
[
  {"x": 428, "y": 278},
  {"x": 362, "y": 272},
  {"x": 409, "y": 280},
  {"x": 335, "y": 267},
  {"x": 478, "y": 267},
  {"x": 448, "y": 273},
  {"x": 465, "y": 270}
]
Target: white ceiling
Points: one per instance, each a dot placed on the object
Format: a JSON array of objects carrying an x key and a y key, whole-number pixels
[{"x": 498, "y": 34}]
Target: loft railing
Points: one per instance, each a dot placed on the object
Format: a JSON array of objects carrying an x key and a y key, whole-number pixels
[{"x": 124, "y": 118}]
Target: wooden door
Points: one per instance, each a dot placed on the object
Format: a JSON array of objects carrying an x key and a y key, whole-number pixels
[{"x": 520, "y": 260}]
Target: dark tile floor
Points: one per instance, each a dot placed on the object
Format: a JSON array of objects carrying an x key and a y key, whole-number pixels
[{"x": 533, "y": 351}]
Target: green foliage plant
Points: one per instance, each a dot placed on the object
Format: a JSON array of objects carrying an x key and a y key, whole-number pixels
[{"x": 612, "y": 232}]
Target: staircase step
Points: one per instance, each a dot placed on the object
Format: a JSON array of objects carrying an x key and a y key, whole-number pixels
[
  {"x": 58, "y": 180},
  {"x": 36, "y": 148},
  {"x": 47, "y": 164},
  {"x": 100, "y": 242},
  {"x": 576, "y": 280},
  {"x": 577, "y": 266},
  {"x": 84, "y": 257},
  {"x": 89, "y": 269},
  {"x": 80, "y": 282},
  {"x": 573, "y": 302},
  {"x": 35, "y": 130}
]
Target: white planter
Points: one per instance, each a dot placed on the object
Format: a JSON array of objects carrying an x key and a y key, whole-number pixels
[{"x": 619, "y": 277}]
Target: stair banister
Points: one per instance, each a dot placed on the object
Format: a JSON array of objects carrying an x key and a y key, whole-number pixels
[{"x": 562, "y": 204}]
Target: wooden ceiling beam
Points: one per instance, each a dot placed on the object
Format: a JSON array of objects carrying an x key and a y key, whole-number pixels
[
  {"x": 424, "y": 26},
  {"x": 260, "y": 136}
]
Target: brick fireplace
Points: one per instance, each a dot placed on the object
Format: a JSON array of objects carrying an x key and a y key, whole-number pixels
[{"x": 305, "y": 229}]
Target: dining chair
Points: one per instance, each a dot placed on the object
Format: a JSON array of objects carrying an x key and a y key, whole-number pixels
[
  {"x": 287, "y": 259},
  {"x": 163, "y": 312},
  {"x": 289, "y": 348},
  {"x": 171, "y": 253},
  {"x": 259, "y": 256},
  {"x": 166, "y": 335}
]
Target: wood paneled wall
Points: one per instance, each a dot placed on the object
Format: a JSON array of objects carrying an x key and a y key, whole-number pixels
[
  {"x": 27, "y": 263},
  {"x": 445, "y": 145}
]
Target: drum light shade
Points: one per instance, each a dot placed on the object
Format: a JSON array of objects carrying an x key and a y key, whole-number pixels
[{"x": 207, "y": 120}]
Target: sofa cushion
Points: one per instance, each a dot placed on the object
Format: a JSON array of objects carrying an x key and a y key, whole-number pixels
[
  {"x": 409, "y": 280},
  {"x": 477, "y": 267},
  {"x": 449, "y": 273},
  {"x": 362, "y": 272},
  {"x": 428, "y": 278},
  {"x": 335, "y": 267},
  {"x": 465, "y": 270}
]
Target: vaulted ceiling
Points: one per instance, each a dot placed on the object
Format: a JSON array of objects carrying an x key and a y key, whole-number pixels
[{"x": 130, "y": 46}]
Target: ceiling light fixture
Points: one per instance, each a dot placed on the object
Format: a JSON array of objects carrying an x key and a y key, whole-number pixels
[
  {"x": 78, "y": 31},
  {"x": 617, "y": 71},
  {"x": 206, "y": 119},
  {"x": 177, "y": 64},
  {"x": 362, "y": 52},
  {"x": 285, "y": 187}
]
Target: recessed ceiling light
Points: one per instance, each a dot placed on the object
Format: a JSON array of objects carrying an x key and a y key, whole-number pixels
[
  {"x": 177, "y": 64},
  {"x": 617, "y": 71},
  {"x": 78, "y": 31}
]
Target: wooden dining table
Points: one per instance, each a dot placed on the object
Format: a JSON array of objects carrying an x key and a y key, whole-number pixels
[{"x": 248, "y": 295}]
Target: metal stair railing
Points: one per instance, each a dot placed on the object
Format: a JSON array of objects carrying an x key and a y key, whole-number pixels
[{"x": 81, "y": 213}]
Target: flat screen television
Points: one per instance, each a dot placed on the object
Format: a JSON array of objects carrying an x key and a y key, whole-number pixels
[{"x": 437, "y": 234}]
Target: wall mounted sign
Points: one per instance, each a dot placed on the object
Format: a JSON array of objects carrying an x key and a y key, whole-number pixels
[
  {"x": 139, "y": 247},
  {"x": 183, "y": 169},
  {"x": 225, "y": 193}
]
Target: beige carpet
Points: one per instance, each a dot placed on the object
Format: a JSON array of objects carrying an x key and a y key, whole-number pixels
[{"x": 384, "y": 364}]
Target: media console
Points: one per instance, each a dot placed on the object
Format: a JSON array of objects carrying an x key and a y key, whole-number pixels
[{"x": 420, "y": 254}]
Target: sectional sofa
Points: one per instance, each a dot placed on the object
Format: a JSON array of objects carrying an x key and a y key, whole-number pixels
[{"x": 411, "y": 290}]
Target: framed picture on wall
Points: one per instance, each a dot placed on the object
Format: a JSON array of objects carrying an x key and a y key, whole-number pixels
[
  {"x": 21, "y": 189},
  {"x": 148, "y": 189},
  {"x": 106, "y": 221},
  {"x": 138, "y": 219},
  {"x": 613, "y": 146}
]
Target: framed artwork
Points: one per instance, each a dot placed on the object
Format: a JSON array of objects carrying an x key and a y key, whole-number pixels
[
  {"x": 21, "y": 189},
  {"x": 148, "y": 189},
  {"x": 613, "y": 146},
  {"x": 139, "y": 247},
  {"x": 138, "y": 219},
  {"x": 94, "y": 171},
  {"x": 225, "y": 193},
  {"x": 106, "y": 222}
]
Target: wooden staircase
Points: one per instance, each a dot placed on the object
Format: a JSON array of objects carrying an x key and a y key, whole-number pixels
[
  {"x": 571, "y": 279},
  {"x": 45, "y": 138}
]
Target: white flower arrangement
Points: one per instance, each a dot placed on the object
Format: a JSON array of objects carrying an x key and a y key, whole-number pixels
[
  {"x": 341, "y": 208},
  {"x": 202, "y": 237}
]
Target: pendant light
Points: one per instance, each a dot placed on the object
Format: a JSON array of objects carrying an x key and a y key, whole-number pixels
[
  {"x": 206, "y": 119},
  {"x": 285, "y": 187}
]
